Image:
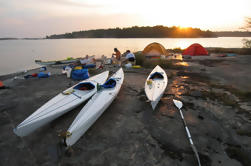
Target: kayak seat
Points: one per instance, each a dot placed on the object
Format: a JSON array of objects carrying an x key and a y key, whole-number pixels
[
  {"x": 156, "y": 75},
  {"x": 84, "y": 86},
  {"x": 111, "y": 83}
]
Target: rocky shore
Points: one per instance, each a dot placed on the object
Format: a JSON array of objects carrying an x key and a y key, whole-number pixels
[{"x": 216, "y": 94}]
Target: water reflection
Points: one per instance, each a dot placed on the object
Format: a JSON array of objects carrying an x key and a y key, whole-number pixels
[
  {"x": 179, "y": 87},
  {"x": 29, "y": 50},
  {"x": 183, "y": 44},
  {"x": 182, "y": 64},
  {"x": 175, "y": 56}
]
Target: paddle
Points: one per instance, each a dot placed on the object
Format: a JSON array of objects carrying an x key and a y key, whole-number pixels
[{"x": 179, "y": 105}]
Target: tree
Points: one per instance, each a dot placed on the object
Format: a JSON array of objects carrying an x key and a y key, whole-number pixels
[
  {"x": 248, "y": 24},
  {"x": 246, "y": 42}
]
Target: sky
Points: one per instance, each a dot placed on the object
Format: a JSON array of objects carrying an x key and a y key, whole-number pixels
[{"x": 38, "y": 18}]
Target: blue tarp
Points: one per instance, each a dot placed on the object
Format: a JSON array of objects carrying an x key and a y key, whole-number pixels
[
  {"x": 81, "y": 74},
  {"x": 111, "y": 83},
  {"x": 83, "y": 66},
  {"x": 89, "y": 66},
  {"x": 231, "y": 54},
  {"x": 42, "y": 75}
]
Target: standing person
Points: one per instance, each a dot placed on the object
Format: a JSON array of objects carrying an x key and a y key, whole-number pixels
[
  {"x": 117, "y": 55},
  {"x": 130, "y": 57}
]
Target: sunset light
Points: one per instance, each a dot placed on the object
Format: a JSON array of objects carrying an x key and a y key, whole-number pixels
[
  {"x": 125, "y": 82},
  {"x": 49, "y": 17}
]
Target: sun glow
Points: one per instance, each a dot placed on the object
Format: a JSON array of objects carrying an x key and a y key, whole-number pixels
[
  {"x": 60, "y": 16},
  {"x": 182, "y": 64},
  {"x": 187, "y": 14}
]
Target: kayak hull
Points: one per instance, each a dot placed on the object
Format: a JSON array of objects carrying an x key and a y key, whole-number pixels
[
  {"x": 155, "y": 88},
  {"x": 47, "y": 63},
  {"x": 92, "y": 111},
  {"x": 58, "y": 106}
]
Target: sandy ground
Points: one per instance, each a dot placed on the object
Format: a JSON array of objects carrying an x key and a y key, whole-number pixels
[{"x": 130, "y": 132}]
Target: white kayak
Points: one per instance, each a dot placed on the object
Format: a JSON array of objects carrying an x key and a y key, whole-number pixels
[
  {"x": 60, "y": 104},
  {"x": 94, "y": 108},
  {"x": 155, "y": 85}
]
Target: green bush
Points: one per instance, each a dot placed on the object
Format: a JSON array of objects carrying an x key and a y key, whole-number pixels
[
  {"x": 140, "y": 58},
  {"x": 150, "y": 63},
  {"x": 246, "y": 43},
  {"x": 241, "y": 51}
]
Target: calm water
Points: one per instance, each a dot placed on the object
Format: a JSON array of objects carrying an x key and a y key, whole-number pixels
[{"x": 19, "y": 55}]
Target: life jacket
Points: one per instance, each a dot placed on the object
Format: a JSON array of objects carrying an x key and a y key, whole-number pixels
[{"x": 111, "y": 83}]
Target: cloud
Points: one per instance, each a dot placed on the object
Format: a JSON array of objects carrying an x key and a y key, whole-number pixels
[
  {"x": 42, "y": 26},
  {"x": 73, "y": 3},
  {"x": 37, "y": 18}
]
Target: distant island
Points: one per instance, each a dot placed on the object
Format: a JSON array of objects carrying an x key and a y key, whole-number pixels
[
  {"x": 138, "y": 32},
  {"x": 12, "y": 38},
  {"x": 143, "y": 32},
  {"x": 233, "y": 34},
  {"x": 8, "y": 38}
]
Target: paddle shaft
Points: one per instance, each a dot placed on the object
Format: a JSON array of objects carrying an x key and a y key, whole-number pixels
[
  {"x": 76, "y": 95},
  {"x": 190, "y": 138}
]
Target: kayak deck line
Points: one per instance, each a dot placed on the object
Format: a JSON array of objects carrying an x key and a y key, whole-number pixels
[
  {"x": 45, "y": 113},
  {"x": 65, "y": 97},
  {"x": 42, "y": 111},
  {"x": 76, "y": 95}
]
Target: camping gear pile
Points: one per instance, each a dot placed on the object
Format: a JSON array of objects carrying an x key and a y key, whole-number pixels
[
  {"x": 76, "y": 72},
  {"x": 79, "y": 70},
  {"x": 79, "y": 74},
  {"x": 41, "y": 74}
]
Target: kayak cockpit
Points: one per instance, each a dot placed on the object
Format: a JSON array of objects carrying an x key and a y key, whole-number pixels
[
  {"x": 84, "y": 86},
  {"x": 156, "y": 75}
]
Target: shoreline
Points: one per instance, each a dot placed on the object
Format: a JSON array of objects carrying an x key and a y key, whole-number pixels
[{"x": 211, "y": 50}]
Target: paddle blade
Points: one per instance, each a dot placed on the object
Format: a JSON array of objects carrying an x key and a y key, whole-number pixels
[{"x": 177, "y": 103}]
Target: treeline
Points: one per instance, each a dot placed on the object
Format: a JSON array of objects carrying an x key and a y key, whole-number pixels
[
  {"x": 233, "y": 34},
  {"x": 138, "y": 32}
]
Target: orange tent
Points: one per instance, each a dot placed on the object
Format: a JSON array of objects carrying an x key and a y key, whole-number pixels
[
  {"x": 154, "y": 50},
  {"x": 195, "y": 50}
]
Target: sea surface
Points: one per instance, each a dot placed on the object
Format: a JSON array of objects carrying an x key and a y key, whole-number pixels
[{"x": 19, "y": 55}]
